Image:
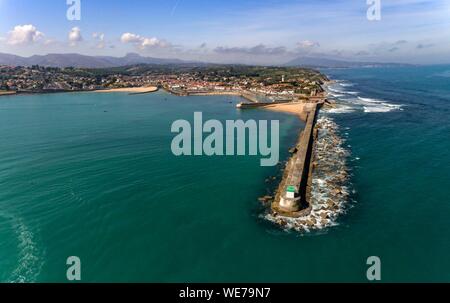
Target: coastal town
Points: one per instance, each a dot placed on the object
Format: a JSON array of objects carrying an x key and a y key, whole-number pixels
[{"x": 275, "y": 83}]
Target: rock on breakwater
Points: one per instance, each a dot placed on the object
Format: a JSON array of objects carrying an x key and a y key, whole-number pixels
[{"x": 329, "y": 189}]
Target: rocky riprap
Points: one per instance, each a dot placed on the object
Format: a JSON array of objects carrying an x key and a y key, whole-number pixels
[{"x": 329, "y": 190}]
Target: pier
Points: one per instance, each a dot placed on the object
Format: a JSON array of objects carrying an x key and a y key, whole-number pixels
[
  {"x": 247, "y": 105},
  {"x": 243, "y": 94},
  {"x": 251, "y": 97},
  {"x": 293, "y": 194}
]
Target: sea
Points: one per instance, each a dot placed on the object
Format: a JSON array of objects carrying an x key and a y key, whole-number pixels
[{"x": 93, "y": 176}]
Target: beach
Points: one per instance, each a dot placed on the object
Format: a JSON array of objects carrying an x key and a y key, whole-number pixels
[
  {"x": 6, "y": 93},
  {"x": 136, "y": 90},
  {"x": 297, "y": 108}
]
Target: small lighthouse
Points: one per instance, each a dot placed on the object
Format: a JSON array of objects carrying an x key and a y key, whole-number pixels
[{"x": 290, "y": 199}]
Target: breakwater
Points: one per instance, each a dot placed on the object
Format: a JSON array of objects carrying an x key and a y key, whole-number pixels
[
  {"x": 249, "y": 96},
  {"x": 145, "y": 92},
  {"x": 292, "y": 196},
  {"x": 246, "y": 95},
  {"x": 245, "y": 105},
  {"x": 327, "y": 189}
]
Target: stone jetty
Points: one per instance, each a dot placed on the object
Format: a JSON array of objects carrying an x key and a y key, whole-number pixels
[
  {"x": 328, "y": 189},
  {"x": 291, "y": 199}
]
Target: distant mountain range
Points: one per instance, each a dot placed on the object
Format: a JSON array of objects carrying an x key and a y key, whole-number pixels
[
  {"x": 82, "y": 61},
  {"x": 307, "y": 61}
]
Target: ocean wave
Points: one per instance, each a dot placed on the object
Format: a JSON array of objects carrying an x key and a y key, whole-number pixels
[
  {"x": 376, "y": 109},
  {"x": 382, "y": 108},
  {"x": 335, "y": 90},
  {"x": 340, "y": 109},
  {"x": 349, "y": 104},
  {"x": 378, "y": 106},
  {"x": 341, "y": 92},
  {"x": 336, "y": 95},
  {"x": 346, "y": 84},
  {"x": 370, "y": 100}
]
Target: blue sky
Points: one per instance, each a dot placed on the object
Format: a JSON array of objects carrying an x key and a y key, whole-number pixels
[{"x": 245, "y": 31}]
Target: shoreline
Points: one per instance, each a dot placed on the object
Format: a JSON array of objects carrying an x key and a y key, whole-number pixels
[
  {"x": 7, "y": 93},
  {"x": 134, "y": 90},
  {"x": 130, "y": 90}
]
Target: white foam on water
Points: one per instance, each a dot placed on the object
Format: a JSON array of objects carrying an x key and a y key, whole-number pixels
[
  {"x": 336, "y": 90},
  {"x": 350, "y": 101},
  {"x": 376, "y": 109},
  {"x": 346, "y": 84},
  {"x": 320, "y": 181},
  {"x": 336, "y": 95},
  {"x": 382, "y": 108},
  {"x": 30, "y": 260},
  {"x": 340, "y": 109},
  {"x": 377, "y": 106},
  {"x": 370, "y": 100}
]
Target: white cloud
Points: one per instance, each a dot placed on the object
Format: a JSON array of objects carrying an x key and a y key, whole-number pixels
[
  {"x": 24, "y": 34},
  {"x": 130, "y": 38},
  {"x": 75, "y": 36},
  {"x": 308, "y": 44},
  {"x": 153, "y": 42},
  {"x": 144, "y": 42}
]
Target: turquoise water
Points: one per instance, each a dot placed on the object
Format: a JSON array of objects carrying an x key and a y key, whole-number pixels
[
  {"x": 402, "y": 176},
  {"x": 92, "y": 175}
]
